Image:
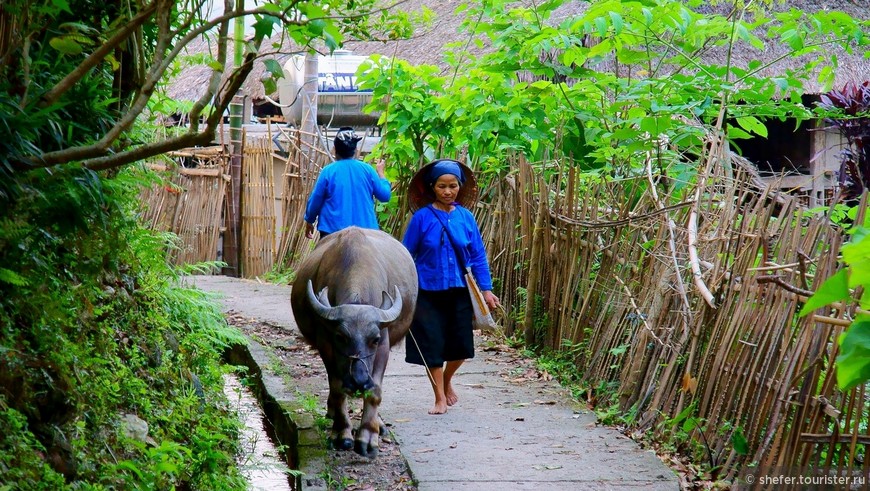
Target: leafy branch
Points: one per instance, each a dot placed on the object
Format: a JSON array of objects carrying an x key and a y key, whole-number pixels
[{"x": 149, "y": 37}]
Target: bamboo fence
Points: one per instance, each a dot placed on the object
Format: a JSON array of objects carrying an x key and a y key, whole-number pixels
[
  {"x": 606, "y": 272},
  {"x": 258, "y": 249},
  {"x": 190, "y": 204}
]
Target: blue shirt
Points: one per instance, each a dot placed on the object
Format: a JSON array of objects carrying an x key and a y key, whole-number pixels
[
  {"x": 437, "y": 267},
  {"x": 342, "y": 196}
]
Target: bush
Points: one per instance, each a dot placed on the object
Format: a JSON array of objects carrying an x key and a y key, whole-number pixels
[{"x": 110, "y": 371}]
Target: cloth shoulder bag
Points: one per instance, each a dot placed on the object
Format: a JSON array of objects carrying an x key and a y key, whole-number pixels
[{"x": 482, "y": 318}]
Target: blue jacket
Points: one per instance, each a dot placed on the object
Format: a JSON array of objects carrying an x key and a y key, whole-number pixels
[
  {"x": 437, "y": 267},
  {"x": 342, "y": 196}
]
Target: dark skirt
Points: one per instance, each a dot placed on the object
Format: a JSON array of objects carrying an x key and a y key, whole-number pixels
[{"x": 441, "y": 327}]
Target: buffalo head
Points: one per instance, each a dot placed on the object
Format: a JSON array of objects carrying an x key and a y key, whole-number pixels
[{"x": 357, "y": 333}]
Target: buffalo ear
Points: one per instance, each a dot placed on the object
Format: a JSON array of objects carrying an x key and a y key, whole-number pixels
[
  {"x": 386, "y": 301},
  {"x": 391, "y": 313},
  {"x": 320, "y": 302},
  {"x": 323, "y": 296}
]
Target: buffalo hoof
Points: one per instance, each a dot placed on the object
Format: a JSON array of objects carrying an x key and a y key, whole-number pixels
[
  {"x": 342, "y": 444},
  {"x": 365, "y": 449}
]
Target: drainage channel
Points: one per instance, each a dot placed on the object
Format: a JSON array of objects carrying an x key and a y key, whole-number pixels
[{"x": 261, "y": 461}]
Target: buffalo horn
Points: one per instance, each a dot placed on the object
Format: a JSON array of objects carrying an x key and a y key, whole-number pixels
[
  {"x": 392, "y": 313},
  {"x": 320, "y": 303}
]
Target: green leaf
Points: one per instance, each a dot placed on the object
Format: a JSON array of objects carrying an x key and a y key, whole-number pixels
[
  {"x": 271, "y": 7},
  {"x": 858, "y": 248},
  {"x": 11, "y": 277},
  {"x": 315, "y": 27},
  {"x": 859, "y": 273},
  {"x": 741, "y": 446},
  {"x": 826, "y": 78},
  {"x": 62, "y": 5},
  {"x": 116, "y": 65},
  {"x": 269, "y": 85},
  {"x": 617, "y": 21},
  {"x": 601, "y": 25},
  {"x": 66, "y": 45},
  {"x": 263, "y": 26},
  {"x": 655, "y": 126},
  {"x": 753, "y": 125},
  {"x": 684, "y": 413},
  {"x": 273, "y": 67},
  {"x": 619, "y": 350},
  {"x": 647, "y": 16},
  {"x": 792, "y": 38},
  {"x": 736, "y": 133},
  {"x": 834, "y": 289},
  {"x": 853, "y": 363}
]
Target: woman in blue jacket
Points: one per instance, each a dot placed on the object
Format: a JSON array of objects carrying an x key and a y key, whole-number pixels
[
  {"x": 345, "y": 190},
  {"x": 443, "y": 237}
]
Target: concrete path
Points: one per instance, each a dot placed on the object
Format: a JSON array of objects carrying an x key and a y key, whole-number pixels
[{"x": 501, "y": 436}]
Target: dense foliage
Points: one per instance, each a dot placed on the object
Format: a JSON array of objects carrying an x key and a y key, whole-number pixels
[
  {"x": 77, "y": 75},
  {"x": 606, "y": 85},
  {"x": 97, "y": 339},
  {"x": 109, "y": 370},
  {"x": 619, "y": 81}
]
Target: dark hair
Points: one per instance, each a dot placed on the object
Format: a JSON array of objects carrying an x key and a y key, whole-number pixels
[{"x": 345, "y": 142}]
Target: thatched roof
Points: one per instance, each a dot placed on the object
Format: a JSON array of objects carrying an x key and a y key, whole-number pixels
[
  {"x": 852, "y": 67},
  {"x": 430, "y": 44}
]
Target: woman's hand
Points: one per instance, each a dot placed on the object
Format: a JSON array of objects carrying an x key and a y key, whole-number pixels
[
  {"x": 381, "y": 167},
  {"x": 491, "y": 300},
  {"x": 309, "y": 230}
]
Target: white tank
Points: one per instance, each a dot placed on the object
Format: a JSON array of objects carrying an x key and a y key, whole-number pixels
[{"x": 340, "y": 101}]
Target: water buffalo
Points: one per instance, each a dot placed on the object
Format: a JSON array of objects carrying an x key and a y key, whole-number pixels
[{"x": 353, "y": 298}]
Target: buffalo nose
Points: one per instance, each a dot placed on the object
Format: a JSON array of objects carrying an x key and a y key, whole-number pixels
[
  {"x": 360, "y": 377},
  {"x": 352, "y": 384}
]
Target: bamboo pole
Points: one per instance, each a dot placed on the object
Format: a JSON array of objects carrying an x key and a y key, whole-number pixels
[{"x": 535, "y": 268}]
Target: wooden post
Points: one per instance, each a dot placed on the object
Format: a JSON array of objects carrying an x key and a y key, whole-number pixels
[
  {"x": 535, "y": 267},
  {"x": 819, "y": 181},
  {"x": 232, "y": 246}
]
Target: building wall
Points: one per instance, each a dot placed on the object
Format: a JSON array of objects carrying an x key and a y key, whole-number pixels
[{"x": 818, "y": 184}]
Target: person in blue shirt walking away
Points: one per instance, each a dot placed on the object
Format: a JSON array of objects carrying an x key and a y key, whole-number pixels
[
  {"x": 345, "y": 190},
  {"x": 443, "y": 237}
]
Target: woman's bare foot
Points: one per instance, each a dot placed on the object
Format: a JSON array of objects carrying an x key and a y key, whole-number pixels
[
  {"x": 451, "y": 396},
  {"x": 440, "y": 407}
]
